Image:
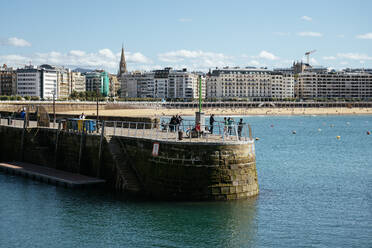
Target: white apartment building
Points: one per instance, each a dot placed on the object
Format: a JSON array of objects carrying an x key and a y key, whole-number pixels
[
  {"x": 78, "y": 83},
  {"x": 63, "y": 79},
  {"x": 166, "y": 83},
  {"x": 38, "y": 82},
  {"x": 185, "y": 85},
  {"x": 334, "y": 85},
  {"x": 137, "y": 84},
  {"x": 63, "y": 82},
  {"x": 249, "y": 82},
  {"x": 282, "y": 86}
]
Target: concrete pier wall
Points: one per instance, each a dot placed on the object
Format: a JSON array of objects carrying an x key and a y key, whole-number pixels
[{"x": 181, "y": 170}]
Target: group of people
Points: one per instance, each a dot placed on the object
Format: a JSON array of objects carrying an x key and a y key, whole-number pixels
[
  {"x": 174, "y": 123},
  {"x": 228, "y": 125}
]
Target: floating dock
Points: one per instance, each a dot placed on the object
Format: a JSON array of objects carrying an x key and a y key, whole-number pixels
[{"x": 50, "y": 175}]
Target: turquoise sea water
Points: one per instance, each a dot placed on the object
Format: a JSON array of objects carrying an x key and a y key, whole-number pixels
[{"x": 315, "y": 191}]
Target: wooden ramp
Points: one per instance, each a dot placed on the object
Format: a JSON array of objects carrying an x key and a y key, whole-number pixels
[{"x": 50, "y": 175}]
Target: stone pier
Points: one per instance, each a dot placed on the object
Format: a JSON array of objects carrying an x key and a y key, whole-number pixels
[{"x": 157, "y": 168}]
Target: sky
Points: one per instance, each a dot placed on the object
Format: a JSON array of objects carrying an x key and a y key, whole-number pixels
[{"x": 198, "y": 35}]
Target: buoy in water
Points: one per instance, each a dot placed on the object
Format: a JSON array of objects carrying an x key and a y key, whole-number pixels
[
  {"x": 294, "y": 132},
  {"x": 271, "y": 125},
  {"x": 338, "y": 137},
  {"x": 368, "y": 132},
  {"x": 319, "y": 129},
  {"x": 332, "y": 125},
  {"x": 257, "y": 138}
]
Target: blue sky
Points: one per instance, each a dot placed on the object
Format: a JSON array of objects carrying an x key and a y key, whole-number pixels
[{"x": 193, "y": 34}]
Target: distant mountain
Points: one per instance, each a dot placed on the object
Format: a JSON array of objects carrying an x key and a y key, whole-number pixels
[{"x": 82, "y": 70}]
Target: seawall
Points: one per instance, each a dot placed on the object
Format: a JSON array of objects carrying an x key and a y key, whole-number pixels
[{"x": 181, "y": 170}]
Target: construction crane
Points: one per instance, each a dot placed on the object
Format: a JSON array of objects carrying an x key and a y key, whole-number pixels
[{"x": 307, "y": 54}]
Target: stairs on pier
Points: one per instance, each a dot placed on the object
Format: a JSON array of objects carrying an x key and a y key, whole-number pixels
[{"x": 127, "y": 179}]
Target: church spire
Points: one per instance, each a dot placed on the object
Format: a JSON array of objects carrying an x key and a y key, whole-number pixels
[{"x": 123, "y": 64}]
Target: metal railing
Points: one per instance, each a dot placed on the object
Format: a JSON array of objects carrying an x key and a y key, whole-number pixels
[
  {"x": 186, "y": 131},
  {"x": 183, "y": 132}
]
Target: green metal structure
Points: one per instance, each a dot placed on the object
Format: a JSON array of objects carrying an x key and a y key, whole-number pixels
[{"x": 200, "y": 94}]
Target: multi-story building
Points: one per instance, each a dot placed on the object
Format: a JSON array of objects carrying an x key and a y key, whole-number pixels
[
  {"x": 182, "y": 84},
  {"x": 63, "y": 82},
  {"x": 366, "y": 70},
  {"x": 78, "y": 83},
  {"x": 299, "y": 67},
  {"x": 166, "y": 83},
  {"x": 114, "y": 85},
  {"x": 97, "y": 81},
  {"x": 37, "y": 81},
  {"x": 138, "y": 84},
  {"x": 282, "y": 85},
  {"x": 8, "y": 81},
  {"x": 249, "y": 82},
  {"x": 340, "y": 85}
]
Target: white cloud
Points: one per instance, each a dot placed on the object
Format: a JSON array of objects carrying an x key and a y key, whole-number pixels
[
  {"x": 107, "y": 53},
  {"x": 313, "y": 61},
  {"x": 354, "y": 56},
  {"x": 282, "y": 33},
  {"x": 197, "y": 59},
  {"x": 311, "y": 34},
  {"x": 137, "y": 58},
  {"x": 14, "y": 58},
  {"x": 77, "y": 53},
  {"x": 14, "y": 41},
  {"x": 367, "y": 36},
  {"x": 340, "y": 36},
  {"x": 306, "y": 18},
  {"x": 329, "y": 58},
  {"x": 184, "y": 20},
  {"x": 254, "y": 63},
  {"x": 267, "y": 55},
  {"x": 103, "y": 59},
  {"x": 344, "y": 63}
]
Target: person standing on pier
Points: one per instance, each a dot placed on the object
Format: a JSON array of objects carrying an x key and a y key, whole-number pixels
[
  {"x": 178, "y": 121},
  {"x": 211, "y": 121},
  {"x": 23, "y": 114},
  {"x": 240, "y": 128},
  {"x": 172, "y": 123},
  {"x": 226, "y": 124},
  {"x": 230, "y": 123}
]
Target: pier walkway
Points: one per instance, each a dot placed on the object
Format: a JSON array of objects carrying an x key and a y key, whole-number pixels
[
  {"x": 50, "y": 175},
  {"x": 161, "y": 132}
]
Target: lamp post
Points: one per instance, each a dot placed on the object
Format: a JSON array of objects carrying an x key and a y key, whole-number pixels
[
  {"x": 97, "y": 95},
  {"x": 199, "y": 116},
  {"x": 54, "y": 107}
]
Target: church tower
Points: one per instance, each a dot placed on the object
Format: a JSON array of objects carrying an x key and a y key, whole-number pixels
[{"x": 123, "y": 64}]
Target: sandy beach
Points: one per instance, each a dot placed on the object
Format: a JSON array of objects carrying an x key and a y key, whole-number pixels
[{"x": 227, "y": 111}]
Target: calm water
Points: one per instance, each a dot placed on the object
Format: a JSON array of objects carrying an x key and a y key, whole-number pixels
[{"x": 315, "y": 191}]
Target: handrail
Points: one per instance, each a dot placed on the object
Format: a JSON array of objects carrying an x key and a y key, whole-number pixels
[{"x": 183, "y": 132}]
